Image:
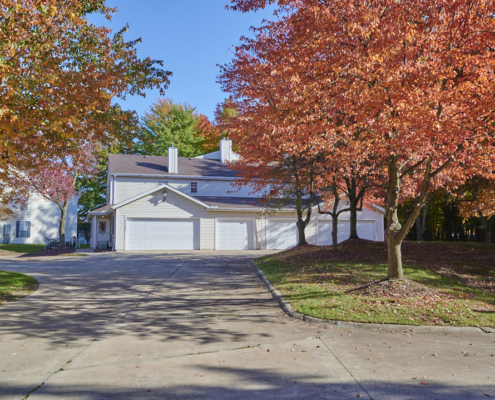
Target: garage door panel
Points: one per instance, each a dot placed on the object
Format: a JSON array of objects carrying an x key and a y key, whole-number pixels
[
  {"x": 235, "y": 235},
  {"x": 281, "y": 234},
  {"x": 163, "y": 234}
]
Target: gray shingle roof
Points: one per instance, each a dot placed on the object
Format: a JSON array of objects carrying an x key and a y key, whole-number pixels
[
  {"x": 246, "y": 202},
  {"x": 102, "y": 209},
  {"x": 157, "y": 165}
]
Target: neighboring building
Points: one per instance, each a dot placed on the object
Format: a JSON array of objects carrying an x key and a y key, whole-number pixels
[
  {"x": 38, "y": 220},
  {"x": 172, "y": 203}
]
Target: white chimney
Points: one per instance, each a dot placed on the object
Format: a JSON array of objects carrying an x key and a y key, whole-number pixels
[
  {"x": 173, "y": 160},
  {"x": 226, "y": 150}
]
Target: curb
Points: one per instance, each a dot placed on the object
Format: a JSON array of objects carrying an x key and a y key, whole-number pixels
[{"x": 289, "y": 311}]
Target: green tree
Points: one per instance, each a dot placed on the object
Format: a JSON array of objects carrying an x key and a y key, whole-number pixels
[
  {"x": 93, "y": 189},
  {"x": 168, "y": 123}
]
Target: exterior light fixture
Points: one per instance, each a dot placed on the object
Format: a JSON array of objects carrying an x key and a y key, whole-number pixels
[{"x": 164, "y": 194}]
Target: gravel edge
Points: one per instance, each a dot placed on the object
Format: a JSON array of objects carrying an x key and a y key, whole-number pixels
[{"x": 289, "y": 311}]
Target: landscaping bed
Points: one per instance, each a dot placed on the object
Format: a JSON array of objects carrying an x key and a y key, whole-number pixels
[
  {"x": 14, "y": 285},
  {"x": 56, "y": 251},
  {"x": 446, "y": 283}
]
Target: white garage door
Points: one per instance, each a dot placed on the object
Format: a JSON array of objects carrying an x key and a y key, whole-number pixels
[
  {"x": 162, "y": 234},
  {"x": 281, "y": 234},
  {"x": 366, "y": 230},
  {"x": 235, "y": 235}
]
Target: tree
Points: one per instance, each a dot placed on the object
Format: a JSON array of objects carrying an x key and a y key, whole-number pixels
[
  {"x": 56, "y": 179},
  {"x": 168, "y": 123},
  {"x": 265, "y": 162},
  {"x": 477, "y": 199},
  {"x": 59, "y": 76},
  {"x": 414, "y": 80}
]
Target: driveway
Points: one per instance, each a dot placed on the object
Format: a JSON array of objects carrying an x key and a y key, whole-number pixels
[{"x": 200, "y": 325}]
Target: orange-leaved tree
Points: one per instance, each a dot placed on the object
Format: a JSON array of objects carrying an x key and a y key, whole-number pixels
[
  {"x": 414, "y": 80},
  {"x": 59, "y": 77}
]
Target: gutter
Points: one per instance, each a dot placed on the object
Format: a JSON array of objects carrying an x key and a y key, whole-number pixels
[{"x": 171, "y": 176}]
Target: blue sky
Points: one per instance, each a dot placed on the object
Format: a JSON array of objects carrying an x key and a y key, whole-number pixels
[{"x": 191, "y": 37}]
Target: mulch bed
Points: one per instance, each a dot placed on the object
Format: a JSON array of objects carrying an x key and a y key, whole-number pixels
[
  {"x": 395, "y": 289},
  {"x": 466, "y": 261},
  {"x": 56, "y": 251}
]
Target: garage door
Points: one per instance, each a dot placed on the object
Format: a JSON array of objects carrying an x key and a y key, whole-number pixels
[
  {"x": 162, "y": 234},
  {"x": 235, "y": 235},
  {"x": 366, "y": 230},
  {"x": 281, "y": 234}
]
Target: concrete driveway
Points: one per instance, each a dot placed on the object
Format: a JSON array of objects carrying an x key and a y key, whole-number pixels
[{"x": 200, "y": 325}]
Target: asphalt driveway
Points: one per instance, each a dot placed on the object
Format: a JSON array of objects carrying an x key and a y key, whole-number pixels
[{"x": 200, "y": 325}]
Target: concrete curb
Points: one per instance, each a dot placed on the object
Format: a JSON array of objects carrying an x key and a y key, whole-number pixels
[{"x": 289, "y": 311}]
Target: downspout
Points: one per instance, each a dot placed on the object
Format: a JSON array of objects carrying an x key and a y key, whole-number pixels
[{"x": 262, "y": 231}]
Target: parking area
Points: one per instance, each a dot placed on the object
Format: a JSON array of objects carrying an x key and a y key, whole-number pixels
[{"x": 201, "y": 325}]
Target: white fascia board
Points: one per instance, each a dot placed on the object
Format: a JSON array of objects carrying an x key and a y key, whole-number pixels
[
  {"x": 254, "y": 210},
  {"x": 192, "y": 177},
  {"x": 101, "y": 213},
  {"x": 157, "y": 189}
]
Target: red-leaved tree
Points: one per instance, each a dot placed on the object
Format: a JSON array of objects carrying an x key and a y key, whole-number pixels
[
  {"x": 56, "y": 180},
  {"x": 406, "y": 86}
]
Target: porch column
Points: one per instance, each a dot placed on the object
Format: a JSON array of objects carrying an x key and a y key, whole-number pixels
[{"x": 94, "y": 231}]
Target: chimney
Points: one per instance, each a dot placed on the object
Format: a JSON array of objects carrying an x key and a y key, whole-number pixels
[
  {"x": 226, "y": 150},
  {"x": 173, "y": 160}
]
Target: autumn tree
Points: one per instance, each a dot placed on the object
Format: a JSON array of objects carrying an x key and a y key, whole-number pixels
[
  {"x": 56, "y": 180},
  {"x": 414, "y": 80},
  {"x": 60, "y": 76}
]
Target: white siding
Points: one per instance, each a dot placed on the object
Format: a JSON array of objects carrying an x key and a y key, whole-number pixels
[
  {"x": 127, "y": 187},
  {"x": 179, "y": 207},
  {"x": 44, "y": 217}
]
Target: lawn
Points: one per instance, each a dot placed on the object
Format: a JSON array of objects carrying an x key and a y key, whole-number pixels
[
  {"x": 6, "y": 249},
  {"x": 447, "y": 283},
  {"x": 14, "y": 285},
  {"x": 85, "y": 246}
]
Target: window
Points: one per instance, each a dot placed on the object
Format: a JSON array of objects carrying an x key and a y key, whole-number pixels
[
  {"x": 24, "y": 207},
  {"x": 194, "y": 187},
  {"x": 23, "y": 229}
]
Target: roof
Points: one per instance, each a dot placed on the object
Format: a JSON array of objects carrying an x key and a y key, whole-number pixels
[
  {"x": 102, "y": 210},
  {"x": 157, "y": 165},
  {"x": 247, "y": 202},
  {"x": 231, "y": 202}
]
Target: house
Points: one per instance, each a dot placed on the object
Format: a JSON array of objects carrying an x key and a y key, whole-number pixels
[
  {"x": 176, "y": 203},
  {"x": 37, "y": 220}
]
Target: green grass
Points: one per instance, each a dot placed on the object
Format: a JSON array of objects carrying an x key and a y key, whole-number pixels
[
  {"x": 85, "y": 246},
  {"x": 316, "y": 282},
  {"x": 22, "y": 248},
  {"x": 14, "y": 285}
]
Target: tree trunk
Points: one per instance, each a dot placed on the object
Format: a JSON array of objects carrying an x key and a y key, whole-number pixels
[
  {"x": 488, "y": 240},
  {"x": 61, "y": 226},
  {"x": 353, "y": 234},
  {"x": 335, "y": 225},
  {"x": 488, "y": 231},
  {"x": 353, "y": 205},
  {"x": 421, "y": 222},
  {"x": 301, "y": 234},
  {"x": 394, "y": 256}
]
